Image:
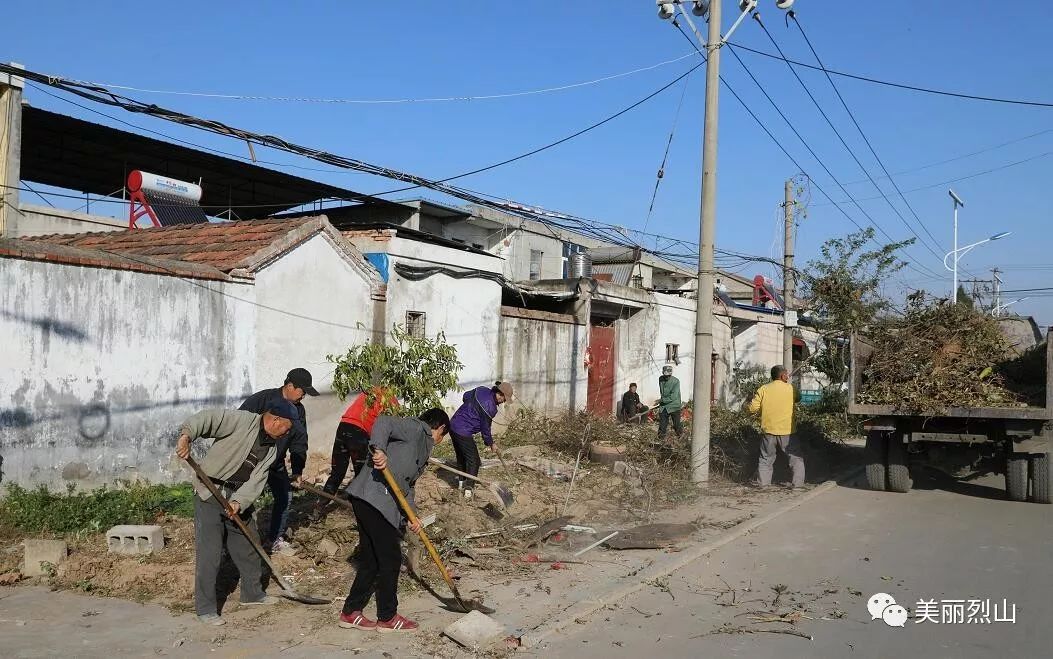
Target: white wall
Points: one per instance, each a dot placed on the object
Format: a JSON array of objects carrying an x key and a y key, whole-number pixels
[
  {"x": 517, "y": 255},
  {"x": 641, "y": 344},
  {"x": 315, "y": 304},
  {"x": 100, "y": 366},
  {"x": 544, "y": 360},
  {"x": 466, "y": 310}
]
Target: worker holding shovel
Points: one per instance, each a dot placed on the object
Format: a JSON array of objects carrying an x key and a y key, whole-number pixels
[
  {"x": 402, "y": 446},
  {"x": 246, "y": 445},
  {"x": 475, "y": 415}
]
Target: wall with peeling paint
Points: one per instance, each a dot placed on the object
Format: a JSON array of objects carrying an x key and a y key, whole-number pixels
[
  {"x": 544, "y": 360},
  {"x": 642, "y": 343},
  {"x": 100, "y": 366}
]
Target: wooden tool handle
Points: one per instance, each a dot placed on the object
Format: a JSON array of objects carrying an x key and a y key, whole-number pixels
[
  {"x": 412, "y": 517},
  {"x": 442, "y": 465},
  {"x": 203, "y": 477},
  {"x": 322, "y": 493}
]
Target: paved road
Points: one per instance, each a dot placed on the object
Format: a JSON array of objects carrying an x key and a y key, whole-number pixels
[{"x": 931, "y": 544}]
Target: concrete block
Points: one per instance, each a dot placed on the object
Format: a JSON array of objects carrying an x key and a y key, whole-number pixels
[
  {"x": 40, "y": 553},
  {"x": 604, "y": 453},
  {"x": 475, "y": 630},
  {"x": 135, "y": 539}
]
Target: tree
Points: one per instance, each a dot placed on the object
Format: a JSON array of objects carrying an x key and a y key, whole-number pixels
[
  {"x": 964, "y": 298},
  {"x": 419, "y": 370},
  {"x": 843, "y": 287}
]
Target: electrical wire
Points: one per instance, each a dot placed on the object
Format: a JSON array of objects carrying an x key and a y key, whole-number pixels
[
  {"x": 962, "y": 156},
  {"x": 665, "y": 156},
  {"x": 851, "y": 152},
  {"x": 391, "y": 101},
  {"x": 808, "y": 147},
  {"x": 800, "y": 167},
  {"x": 852, "y": 116},
  {"x": 898, "y": 85}
]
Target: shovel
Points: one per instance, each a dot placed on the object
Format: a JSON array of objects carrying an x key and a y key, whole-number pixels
[
  {"x": 412, "y": 517},
  {"x": 287, "y": 590},
  {"x": 503, "y": 494}
]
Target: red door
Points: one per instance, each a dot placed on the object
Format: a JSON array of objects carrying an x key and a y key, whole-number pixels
[{"x": 601, "y": 371}]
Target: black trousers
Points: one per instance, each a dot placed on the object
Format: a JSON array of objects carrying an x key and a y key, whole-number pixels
[
  {"x": 351, "y": 445},
  {"x": 379, "y": 562},
  {"x": 663, "y": 423},
  {"x": 467, "y": 453}
]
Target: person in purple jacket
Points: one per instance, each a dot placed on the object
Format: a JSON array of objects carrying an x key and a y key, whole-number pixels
[{"x": 475, "y": 415}]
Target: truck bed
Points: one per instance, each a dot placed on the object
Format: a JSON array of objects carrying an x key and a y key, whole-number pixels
[{"x": 861, "y": 351}]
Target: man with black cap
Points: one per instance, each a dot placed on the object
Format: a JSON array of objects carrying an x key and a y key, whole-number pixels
[
  {"x": 297, "y": 385},
  {"x": 238, "y": 461}
]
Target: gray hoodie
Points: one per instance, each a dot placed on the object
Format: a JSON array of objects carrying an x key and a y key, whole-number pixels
[{"x": 408, "y": 444}]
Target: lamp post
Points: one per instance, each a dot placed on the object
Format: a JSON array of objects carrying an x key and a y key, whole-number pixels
[
  {"x": 1000, "y": 309},
  {"x": 959, "y": 252}
]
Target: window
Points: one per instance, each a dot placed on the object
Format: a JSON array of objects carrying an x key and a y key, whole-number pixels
[
  {"x": 672, "y": 352},
  {"x": 536, "y": 256},
  {"x": 415, "y": 323}
]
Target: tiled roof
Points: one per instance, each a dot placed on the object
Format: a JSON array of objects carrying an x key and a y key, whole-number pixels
[
  {"x": 225, "y": 246},
  {"x": 35, "y": 250}
]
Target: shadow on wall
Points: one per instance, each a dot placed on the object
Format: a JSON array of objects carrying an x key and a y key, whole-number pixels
[
  {"x": 93, "y": 420},
  {"x": 48, "y": 325}
]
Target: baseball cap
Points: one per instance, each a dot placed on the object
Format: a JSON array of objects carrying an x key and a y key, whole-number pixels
[
  {"x": 506, "y": 389},
  {"x": 301, "y": 377},
  {"x": 284, "y": 409}
]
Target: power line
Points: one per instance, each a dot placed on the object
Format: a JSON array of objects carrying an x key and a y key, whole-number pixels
[
  {"x": 844, "y": 143},
  {"x": 898, "y": 85},
  {"x": 967, "y": 177},
  {"x": 800, "y": 167},
  {"x": 859, "y": 128},
  {"x": 389, "y": 101},
  {"x": 962, "y": 156},
  {"x": 665, "y": 156}
]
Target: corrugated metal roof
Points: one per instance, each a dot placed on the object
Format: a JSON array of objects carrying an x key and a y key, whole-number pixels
[{"x": 620, "y": 272}]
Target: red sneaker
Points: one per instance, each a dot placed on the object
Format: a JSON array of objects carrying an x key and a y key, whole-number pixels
[
  {"x": 397, "y": 624},
  {"x": 356, "y": 620}
]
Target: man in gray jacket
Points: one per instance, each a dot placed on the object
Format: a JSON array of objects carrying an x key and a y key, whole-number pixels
[
  {"x": 403, "y": 446},
  {"x": 237, "y": 463}
]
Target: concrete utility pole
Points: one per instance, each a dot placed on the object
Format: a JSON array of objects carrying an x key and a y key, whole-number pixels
[
  {"x": 789, "y": 314},
  {"x": 10, "y": 149},
  {"x": 997, "y": 281},
  {"x": 954, "y": 284},
  {"x": 707, "y": 229}
]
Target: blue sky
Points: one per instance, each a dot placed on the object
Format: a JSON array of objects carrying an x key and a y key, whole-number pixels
[{"x": 416, "y": 49}]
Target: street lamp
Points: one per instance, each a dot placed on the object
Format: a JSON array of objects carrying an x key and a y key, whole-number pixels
[
  {"x": 959, "y": 252},
  {"x": 1000, "y": 309}
]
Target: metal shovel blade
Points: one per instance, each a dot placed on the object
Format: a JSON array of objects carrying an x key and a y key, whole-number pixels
[{"x": 303, "y": 599}]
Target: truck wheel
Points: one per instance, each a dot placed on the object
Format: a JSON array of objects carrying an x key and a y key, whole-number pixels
[
  {"x": 874, "y": 457},
  {"x": 898, "y": 470},
  {"x": 1016, "y": 476},
  {"x": 1041, "y": 478}
]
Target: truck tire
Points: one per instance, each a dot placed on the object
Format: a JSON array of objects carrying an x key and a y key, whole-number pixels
[
  {"x": 1016, "y": 476},
  {"x": 874, "y": 458},
  {"x": 898, "y": 470},
  {"x": 1041, "y": 478}
]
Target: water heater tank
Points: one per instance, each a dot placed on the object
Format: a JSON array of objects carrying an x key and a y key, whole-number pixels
[
  {"x": 162, "y": 185},
  {"x": 580, "y": 266}
]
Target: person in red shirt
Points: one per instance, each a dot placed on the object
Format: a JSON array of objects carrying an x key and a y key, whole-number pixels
[{"x": 352, "y": 435}]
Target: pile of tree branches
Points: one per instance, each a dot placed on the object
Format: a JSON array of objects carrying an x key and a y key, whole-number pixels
[{"x": 938, "y": 356}]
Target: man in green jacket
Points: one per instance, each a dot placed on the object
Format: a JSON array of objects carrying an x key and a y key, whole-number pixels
[
  {"x": 669, "y": 403},
  {"x": 238, "y": 462}
]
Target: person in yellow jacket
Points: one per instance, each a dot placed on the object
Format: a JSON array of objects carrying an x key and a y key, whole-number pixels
[{"x": 774, "y": 402}]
